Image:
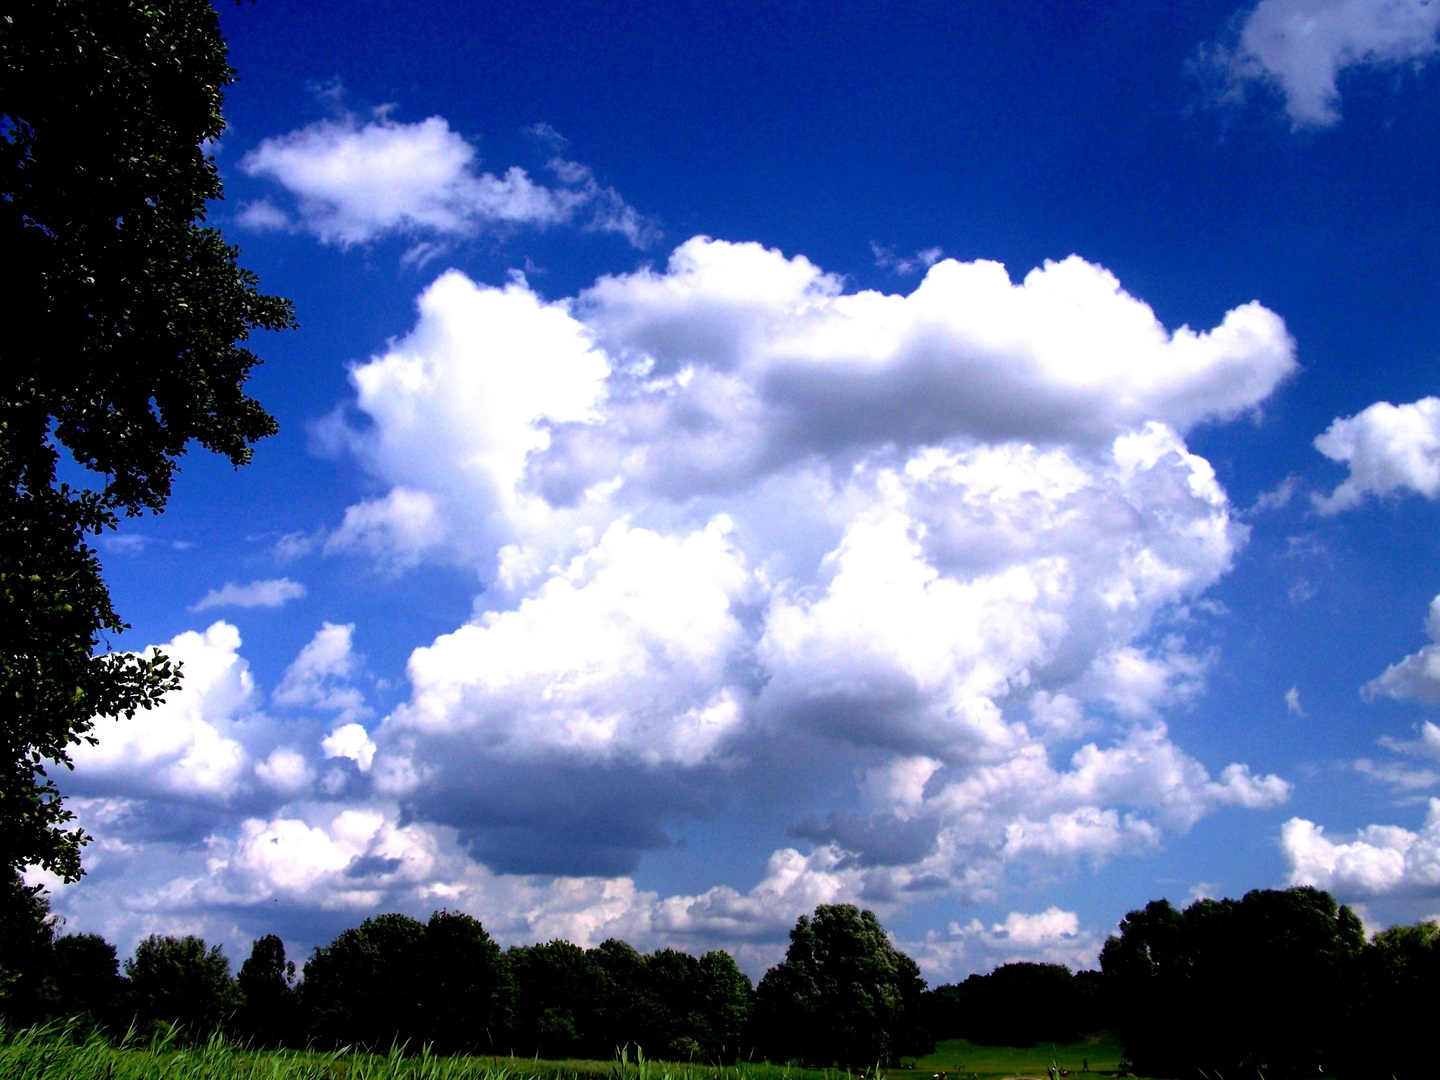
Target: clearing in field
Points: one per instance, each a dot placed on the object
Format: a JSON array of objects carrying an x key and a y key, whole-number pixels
[{"x": 961, "y": 1058}]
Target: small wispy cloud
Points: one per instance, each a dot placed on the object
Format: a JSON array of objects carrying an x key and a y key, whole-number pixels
[
  {"x": 353, "y": 182},
  {"x": 1299, "y": 48},
  {"x": 270, "y": 593},
  {"x": 1292, "y": 702},
  {"x": 886, "y": 259}
]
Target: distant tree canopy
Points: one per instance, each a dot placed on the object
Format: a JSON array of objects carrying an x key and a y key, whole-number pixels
[
  {"x": 842, "y": 994},
  {"x": 1230, "y": 986},
  {"x": 122, "y": 349},
  {"x": 1018, "y": 1004},
  {"x": 1396, "y": 999},
  {"x": 1278, "y": 981},
  {"x": 589, "y": 1003}
]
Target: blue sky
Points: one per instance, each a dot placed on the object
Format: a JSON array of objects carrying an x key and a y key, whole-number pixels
[{"x": 974, "y": 461}]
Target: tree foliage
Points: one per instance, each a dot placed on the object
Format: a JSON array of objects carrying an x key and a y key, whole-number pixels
[
  {"x": 267, "y": 994},
  {"x": 1236, "y": 985},
  {"x": 1017, "y": 1004},
  {"x": 1277, "y": 981},
  {"x": 179, "y": 981},
  {"x": 86, "y": 984},
  {"x": 1396, "y": 998},
  {"x": 125, "y": 348},
  {"x": 843, "y": 994}
]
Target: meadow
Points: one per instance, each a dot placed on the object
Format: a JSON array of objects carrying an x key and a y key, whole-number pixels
[
  {"x": 54, "y": 1054},
  {"x": 960, "y": 1058}
]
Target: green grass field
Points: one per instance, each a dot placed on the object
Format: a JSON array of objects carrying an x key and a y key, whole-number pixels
[
  {"x": 45, "y": 1055},
  {"x": 960, "y": 1058}
]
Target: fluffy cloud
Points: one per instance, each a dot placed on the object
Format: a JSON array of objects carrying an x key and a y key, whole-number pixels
[
  {"x": 732, "y": 515},
  {"x": 185, "y": 747},
  {"x": 1388, "y": 448},
  {"x": 636, "y": 611},
  {"x": 1051, "y": 936},
  {"x": 741, "y": 363},
  {"x": 743, "y": 533},
  {"x": 1417, "y": 677},
  {"x": 1300, "y": 46},
  {"x": 354, "y": 182},
  {"x": 1382, "y": 860},
  {"x": 320, "y": 675},
  {"x": 270, "y": 593}
]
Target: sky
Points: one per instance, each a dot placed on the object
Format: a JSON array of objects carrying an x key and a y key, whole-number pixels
[{"x": 975, "y": 461}]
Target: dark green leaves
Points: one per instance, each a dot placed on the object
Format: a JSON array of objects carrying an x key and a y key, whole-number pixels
[{"x": 125, "y": 345}]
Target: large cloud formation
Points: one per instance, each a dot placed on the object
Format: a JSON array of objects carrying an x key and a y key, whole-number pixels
[{"x": 744, "y": 534}]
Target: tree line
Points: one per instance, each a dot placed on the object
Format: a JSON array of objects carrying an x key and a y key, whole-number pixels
[
  {"x": 843, "y": 994},
  {"x": 1279, "y": 981}
]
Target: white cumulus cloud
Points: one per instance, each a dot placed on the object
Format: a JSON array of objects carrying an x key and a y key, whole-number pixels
[
  {"x": 942, "y": 553},
  {"x": 320, "y": 675},
  {"x": 1381, "y": 860},
  {"x": 727, "y": 506},
  {"x": 1388, "y": 448},
  {"x": 1052, "y": 936},
  {"x": 1417, "y": 677},
  {"x": 185, "y": 746}
]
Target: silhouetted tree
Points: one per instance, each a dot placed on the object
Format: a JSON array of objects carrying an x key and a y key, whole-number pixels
[
  {"x": 625, "y": 1006},
  {"x": 678, "y": 1020},
  {"x": 269, "y": 1012},
  {"x": 466, "y": 992},
  {"x": 179, "y": 981},
  {"x": 1231, "y": 986},
  {"x": 558, "y": 990},
  {"x": 124, "y": 349},
  {"x": 26, "y": 931},
  {"x": 1398, "y": 998},
  {"x": 365, "y": 988},
  {"x": 1017, "y": 1004},
  {"x": 843, "y": 993},
  {"x": 86, "y": 982}
]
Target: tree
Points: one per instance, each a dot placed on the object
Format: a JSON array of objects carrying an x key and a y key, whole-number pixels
[
  {"x": 268, "y": 1010},
  {"x": 842, "y": 994},
  {"x": 87, "y": 985},
  {"x": 465, "y": 985},
  {"x": 179, "y": 981},
  {"x": 558, "y": 990},
  {"x": 725, "y": 993},
  {"x": 1399, "y": 997},
  {"x": 365, "y": 988},
  {"x": 625, "y": 1007},
  {"x": 1231, "y": 986},
  {"x": 1017, "y": 1004},
  {"x": 26, "y": 931},
  {"x": 676, "y": 1021},
  {"x": 122, "y": 349}
]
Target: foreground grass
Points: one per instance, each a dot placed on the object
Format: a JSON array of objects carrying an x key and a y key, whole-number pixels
[
  {"x": 52, "y": 1054},
  {"x": 961, "y": 1058}
]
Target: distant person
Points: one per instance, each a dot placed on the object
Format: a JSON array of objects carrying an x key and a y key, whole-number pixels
[{"x": 1084, "y": 1064}]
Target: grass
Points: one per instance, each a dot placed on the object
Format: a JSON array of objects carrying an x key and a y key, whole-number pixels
[
  {"x": 961, "y": 1058},
  {"x": 50, "y": 1053}
]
